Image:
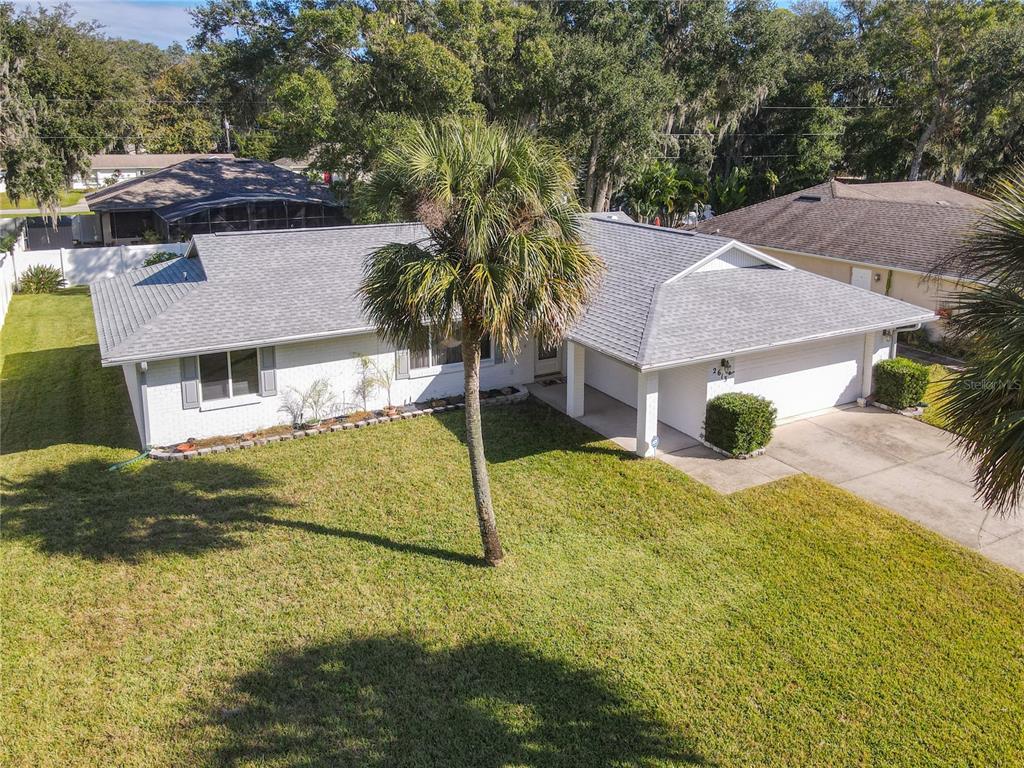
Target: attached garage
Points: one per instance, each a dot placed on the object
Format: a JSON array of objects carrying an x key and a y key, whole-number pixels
[
  {"x": 682, "y": 317},
  {"x": 804, "y": 378}
]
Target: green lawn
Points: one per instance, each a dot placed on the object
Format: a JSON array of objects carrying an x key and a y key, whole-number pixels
[
  {"x": 67, "y": 197},
  {"x": 939, "y": 380},
  {"x": 321, "y": 602}
]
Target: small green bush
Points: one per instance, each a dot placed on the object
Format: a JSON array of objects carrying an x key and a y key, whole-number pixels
[
  {"x": 739, "y": 423},
  {"x": 900, "y": 383},
  {"x": 159, "y": 257},
  {"x": 40, "y": 278}
]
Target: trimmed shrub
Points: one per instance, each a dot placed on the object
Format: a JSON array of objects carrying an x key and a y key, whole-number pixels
[
  {"x": 159, "y": 257},
  {"x": 739, "y": 423},
  {"x": 40, "y": 278},
  {"x": 900, "y": 383}
]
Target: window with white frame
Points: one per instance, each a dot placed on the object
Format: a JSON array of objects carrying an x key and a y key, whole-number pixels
[
  {"x": 224, "y": 375},
  {"x": 446, "y": 351}
]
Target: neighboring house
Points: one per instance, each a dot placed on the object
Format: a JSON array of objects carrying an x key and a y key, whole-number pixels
[
  {"x": 207, "y": 194},
  {"x": 302, "y": 166},
  {"x": 109, "y": 169},
  {"x": 210, "y": 343},
  {"x": 888, "y": 238}
]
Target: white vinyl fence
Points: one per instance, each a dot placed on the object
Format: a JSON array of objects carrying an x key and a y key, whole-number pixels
[
  {"x": 7, "y": 279},
  {"x": 80, "y": 266}
]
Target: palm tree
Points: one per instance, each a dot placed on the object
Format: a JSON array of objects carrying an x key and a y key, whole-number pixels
[
  {"x": 984, "y": 405},
  {"x": 503, "y": 258}
]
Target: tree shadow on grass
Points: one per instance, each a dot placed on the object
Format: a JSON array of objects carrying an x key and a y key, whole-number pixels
[
  {"x": 526, "y": 429},
  {"x": 63, "y": 395},
  {"x": 181, "y": 508},
  {"x": 390, "y": 701}
]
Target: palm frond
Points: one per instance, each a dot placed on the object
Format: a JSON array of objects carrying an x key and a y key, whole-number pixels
[
  {"x": 984, "y": 404},
  {"x": 505, "y": 250}
]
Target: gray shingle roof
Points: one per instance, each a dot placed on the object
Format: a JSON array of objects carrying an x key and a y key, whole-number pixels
[
  {"x": 724, "y": 312},
  {"x": 885, "y": 224},
  {"x": 253, "y": 288},
  {"x": 184, "y": 187},
  {"x": 243, "y": 289},
  {"x": 639, "y": 258},
  {"x": 643, "y": 317}
]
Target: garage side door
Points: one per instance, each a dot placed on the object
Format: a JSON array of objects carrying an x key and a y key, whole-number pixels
[{"x": 805, "y": 377}]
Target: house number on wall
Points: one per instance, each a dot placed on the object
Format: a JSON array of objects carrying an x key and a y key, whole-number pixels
[{"x": 724, "y": 369}]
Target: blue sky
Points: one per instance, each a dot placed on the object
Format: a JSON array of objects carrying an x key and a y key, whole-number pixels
[{"x": 153, "y": 21}]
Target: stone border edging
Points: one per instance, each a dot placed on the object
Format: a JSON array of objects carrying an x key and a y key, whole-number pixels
[
  {"x": 728, "y": 455},
  {"x": 162, "y": 455}
]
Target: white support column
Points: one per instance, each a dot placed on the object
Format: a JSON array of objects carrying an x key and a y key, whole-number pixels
[
  {"x": 575, "y": 365},
  {"x": 646, "y": 412},
  {"x": 867, "y": 365}
]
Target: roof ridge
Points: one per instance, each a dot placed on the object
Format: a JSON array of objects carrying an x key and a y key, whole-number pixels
[
  {"x": 153, "y": 269},
  {"x": 304, "y": 230},
  {"x": 655, "y": 228},
  {"x": 645, "y": 337}
]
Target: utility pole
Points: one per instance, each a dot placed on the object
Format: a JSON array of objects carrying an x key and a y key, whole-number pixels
[{"x": 227, "y": 133}]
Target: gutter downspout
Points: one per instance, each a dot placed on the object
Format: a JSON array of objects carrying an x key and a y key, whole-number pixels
[
  {"x": 892, "y": 337},
  {"x": 143, "y": 370}
]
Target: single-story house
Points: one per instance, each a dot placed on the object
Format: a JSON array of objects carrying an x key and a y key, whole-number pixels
[
  {"x": 110, "y": 168},
  {"x": 211, "y": 194},
  {"x": 884, "y": 237},
  {"x": 210, "y": 343}
]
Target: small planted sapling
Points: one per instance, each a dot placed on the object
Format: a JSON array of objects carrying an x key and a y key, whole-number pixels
[{"x": 317, "y": 402}]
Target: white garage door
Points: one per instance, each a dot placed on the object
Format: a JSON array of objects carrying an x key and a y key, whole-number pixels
[{"x": 805, "y": 377}]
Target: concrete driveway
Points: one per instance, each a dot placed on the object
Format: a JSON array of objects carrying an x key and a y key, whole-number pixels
[{"x": 897, "y": 462}]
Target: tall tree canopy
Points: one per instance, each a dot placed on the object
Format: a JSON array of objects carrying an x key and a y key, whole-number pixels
[{"x": 733, "y": 93}]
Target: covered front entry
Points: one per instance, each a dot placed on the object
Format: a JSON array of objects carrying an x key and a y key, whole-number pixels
[{"x": 800, "y": 379}]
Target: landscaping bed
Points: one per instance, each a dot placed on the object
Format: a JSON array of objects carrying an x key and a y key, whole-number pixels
[{"x": 194, "y": 448}]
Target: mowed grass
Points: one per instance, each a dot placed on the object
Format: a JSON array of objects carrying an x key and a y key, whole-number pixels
[
  {"x": 938, "y": 381},
  {"x": 321, "y": 602},
  {"x": 67, "y": 197}
]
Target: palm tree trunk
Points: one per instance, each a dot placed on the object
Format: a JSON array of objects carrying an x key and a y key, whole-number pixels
[{"x": 493, "y": 554}]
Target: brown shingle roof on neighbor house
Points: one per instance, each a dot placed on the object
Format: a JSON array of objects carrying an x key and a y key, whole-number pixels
[
  {"x": 193, "y": 184},
  {"x": 903, "y": 225},
  {"x": 143, "y": 160}
]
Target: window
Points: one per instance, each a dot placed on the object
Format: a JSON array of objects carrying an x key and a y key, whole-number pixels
[
  {"x": 223, "y": 375},
  {"x": 445, "y": 352}
]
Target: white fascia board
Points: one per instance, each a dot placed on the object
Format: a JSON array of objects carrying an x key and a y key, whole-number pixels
[
  {"x": 911, "y": 324},
  {"x": 613, "y": 355},
  {"x": 725, "y": 249},
  {"x": 109, "y": 362}
]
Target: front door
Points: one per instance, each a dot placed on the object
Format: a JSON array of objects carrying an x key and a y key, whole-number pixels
[{"x": 549, "y": 360}]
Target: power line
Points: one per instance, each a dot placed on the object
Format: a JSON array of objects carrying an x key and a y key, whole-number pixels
[{"x": 768, "y": 133}]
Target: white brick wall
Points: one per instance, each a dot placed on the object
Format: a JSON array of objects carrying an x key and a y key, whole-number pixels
[{"x": 298, "y": 365}]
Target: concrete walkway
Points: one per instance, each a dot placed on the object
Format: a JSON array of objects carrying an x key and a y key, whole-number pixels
[{"x": 894, "y": 461}]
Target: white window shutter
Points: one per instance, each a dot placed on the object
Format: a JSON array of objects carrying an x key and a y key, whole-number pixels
[
  {"x": 401, "y": 363},
  {"x": 268, "y": 372},
  {"x": 189, "y": 382}
]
